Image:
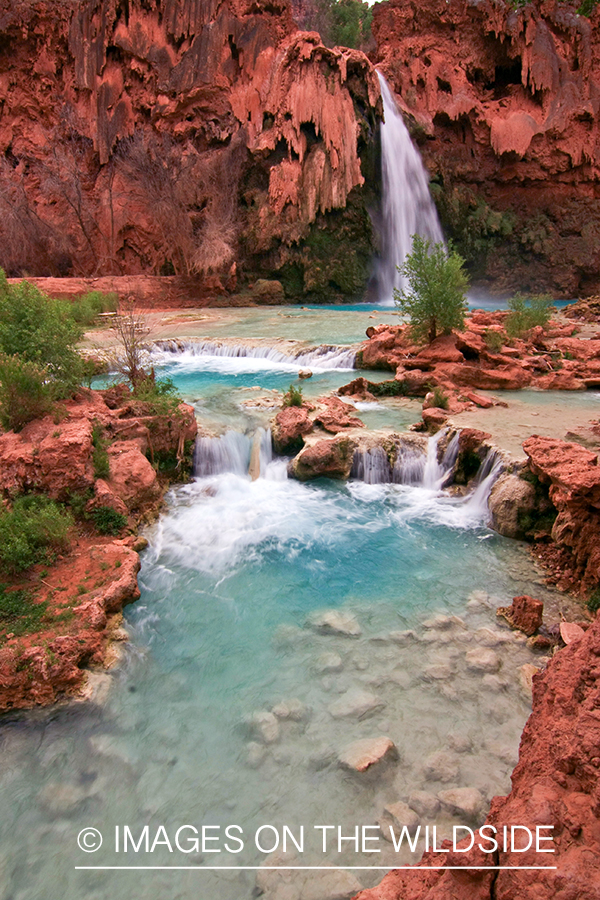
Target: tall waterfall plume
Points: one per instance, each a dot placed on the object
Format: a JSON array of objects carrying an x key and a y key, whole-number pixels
[{"x": 407, "y": 205}]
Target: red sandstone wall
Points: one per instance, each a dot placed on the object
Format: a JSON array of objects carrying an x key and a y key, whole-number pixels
[
  {"x": 505, "y": 106},
  {"x": 168, "y": 137}
]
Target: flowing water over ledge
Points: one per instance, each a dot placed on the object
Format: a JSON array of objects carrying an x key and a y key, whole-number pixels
[{"x": 231, "y": 706}]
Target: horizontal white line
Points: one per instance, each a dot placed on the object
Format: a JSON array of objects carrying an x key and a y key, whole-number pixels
[{"x": 306, "y": 868}]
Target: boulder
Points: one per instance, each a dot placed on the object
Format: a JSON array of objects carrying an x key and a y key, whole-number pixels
[
  {"x": 336, "y": 415},
  {"x": 524, "y": 614},
  {"x": 570, "y": 632},
  {"x": 132, "y": 477},
  {"x": 289, "y": 427},
  {"x": 367, "y": 752},
  {"x": 509, "y": 376},
  {"x": 327, "y": 458},
  {"x": 397, "y": 816},
  {"x": 512, "y": 505},
  {"x": 441, "y": 350},
  {"x": 434, "y": 419}
]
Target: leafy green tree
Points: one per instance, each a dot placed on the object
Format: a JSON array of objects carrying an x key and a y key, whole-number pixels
[
  {"x": 40, "y": 330},
  {"x": 435, "y": 295}
]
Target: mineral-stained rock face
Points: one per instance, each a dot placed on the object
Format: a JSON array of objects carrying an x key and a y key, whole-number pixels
[
  {"x": 172, "y": 138},
  {"x": 573, "y": 475},
  {"x": 555, "y": 783},
  {"x": 504, "y": 103}
]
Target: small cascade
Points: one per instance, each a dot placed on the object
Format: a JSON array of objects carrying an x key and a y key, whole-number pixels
[
  {"x": 409, "y": 467},
  {"x": 325, "y": 356},
  {"x": 371, "y": 466},
  {"x": 233, "y": 452},
  {"x": 408, "y": 208},
  {"x": 477, "y": 500}
]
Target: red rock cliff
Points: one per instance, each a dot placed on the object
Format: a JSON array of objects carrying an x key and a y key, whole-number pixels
[
  {"x": 505, "y": 104},
  {"x": 167, "y": 137}
]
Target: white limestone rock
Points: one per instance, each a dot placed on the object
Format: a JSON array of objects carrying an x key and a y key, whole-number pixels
[{"x": 361, "y": 755}]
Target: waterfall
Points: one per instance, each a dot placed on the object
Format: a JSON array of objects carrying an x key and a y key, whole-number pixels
[
  {"x": 325, "y": 356},
  {"x": 235, "y": 453},
  {"x": 407, "y": 205},
  {"x": 371, "y": 466}
]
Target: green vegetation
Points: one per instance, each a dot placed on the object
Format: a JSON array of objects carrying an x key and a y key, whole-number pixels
[
  {"x": 18, "y": 613},
  {"x": 587, "y": 7},
  {"x": 86, "y": 309},
  {"x": 107, "y": 520},
  {"x": 38, "y": 360},
  {"x": 293, "y": 397},
  {"x": 593, "y": 601},
  {"x": 440, "y": 398},
  {"x": 476, "y": 228},
  {"x": 527, "y": 313},
  {"x": 347, "y": 23},
  {"x": 99, "y": 453},
  {"x": 435, "y": 299},
  {"x": 160, "y": 393},
  {"x": 494, "y": 340},
  {"x": 31, "y": 532},
  {"x": 25, "y": 393}
]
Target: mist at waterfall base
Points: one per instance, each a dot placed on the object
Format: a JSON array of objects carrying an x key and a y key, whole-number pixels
[{"x": 408, "y": 207}]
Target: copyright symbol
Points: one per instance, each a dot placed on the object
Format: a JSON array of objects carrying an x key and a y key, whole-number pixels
[{"x": 89, "y": 840}]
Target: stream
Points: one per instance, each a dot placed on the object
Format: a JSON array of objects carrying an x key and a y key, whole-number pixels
[{"x": 233, "y": 702}]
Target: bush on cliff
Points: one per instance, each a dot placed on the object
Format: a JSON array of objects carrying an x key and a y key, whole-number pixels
[
  {"x": 35, "y": 328},
  {"x": 32, "y": 531},
  {"x": 435, "y": 298},
  {"x": 24, "y": 392},
  {"x": 38, "y": 360},
  {"x": 527, "y": 313}
]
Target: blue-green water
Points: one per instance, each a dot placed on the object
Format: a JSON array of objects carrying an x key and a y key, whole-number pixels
[{"x": 223, "y": 631}]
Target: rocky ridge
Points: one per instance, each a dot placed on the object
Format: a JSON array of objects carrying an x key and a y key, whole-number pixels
[{"x": 88, "y": 585}]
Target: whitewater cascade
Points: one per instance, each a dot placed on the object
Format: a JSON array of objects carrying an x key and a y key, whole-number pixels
[
  {"x": 236, "y": 453},
  {"x": 252, "y": 456},
  {"x": 325, "y": 356},
  {"x": 407, "y": 205}
]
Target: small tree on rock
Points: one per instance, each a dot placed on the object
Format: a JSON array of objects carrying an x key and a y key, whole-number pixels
[{"x": 435, "y": 295}]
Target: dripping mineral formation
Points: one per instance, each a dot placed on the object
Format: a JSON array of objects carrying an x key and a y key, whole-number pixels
[
  {"x": 503, "y": 104},
  {"x": 184, "y": 140}
]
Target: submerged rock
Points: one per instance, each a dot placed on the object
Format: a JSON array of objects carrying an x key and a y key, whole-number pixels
[
  {"x": 367, "y": 752},
  {"x": 335, "y": 621},
  {"x": 356, "y": 703},
  {"x": 467, "y": 801},
  {"x": 397, "y": 816},
  {"x": 441, "y": 766},
  {"x": 424, "y": 804},
  {"x": 482, "y": 660}
]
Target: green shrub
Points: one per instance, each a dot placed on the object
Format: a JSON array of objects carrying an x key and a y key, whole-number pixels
[
  {"x": 435, "y": 298},
  {"x": 160, "y": 393},
  {"x": 35, "y": 328},
  {"x": 107, "y": 520},
  {"x": 593, "y": 601},
  {"x": 99, "y": 453},
  {"x": 31, "y": 532},
  {"x": 86, "y": 309},
  {"x": 440, "y": 398},
  {"x": 293, "y": 397},
  {"x": 527, "y": 313},
  {"x": 25, "y": 393},
  {"x": 18, "y": 613},
  {"x": 494, "y": 340}
]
